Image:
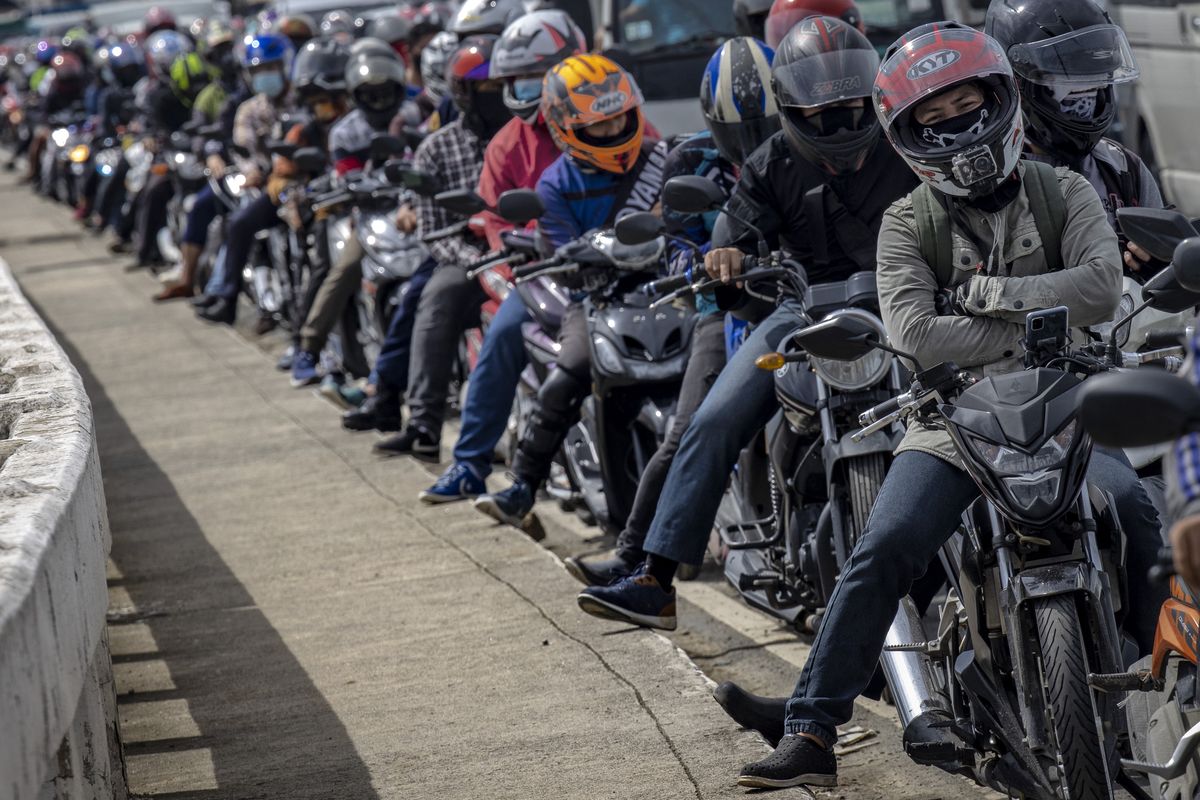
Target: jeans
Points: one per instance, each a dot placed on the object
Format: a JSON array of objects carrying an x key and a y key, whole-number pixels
[
  {"x": 391, "y": 368},
  {"x": 259, "y": 215},
  {"x": 152, "y": 216},
  {"x": 740, "y": 403},
  {"x": 908, "y": 524},
  {"x": 205, "y": 209},
  {"x": 704, "y": 365},
  {"x": 492, "y": 386}
]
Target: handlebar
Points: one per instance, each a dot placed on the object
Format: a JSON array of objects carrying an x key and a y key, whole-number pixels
[
  {"x": 670, "y": 284},
  {"x": 884, "y": 409},
  {"x": 446, "y": 232},
  {"x": 1159, "y": 339}
]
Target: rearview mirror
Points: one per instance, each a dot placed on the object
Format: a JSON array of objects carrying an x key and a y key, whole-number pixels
[
  {"x": 1158, "y": 231},
  {"x": 461, "y": 202},
  {"x": 520, "y": 206},
  {"x": 384, "y": 147},
  {"x": 1165, "y": 293},
  {"x": 310, "y": 160},
  {"x": 1187, "y": 263},
  {"x": 692, "y": 194},
  {"x": 1139, "y": 408},
  {"x": 639, "y": 227},
  {"x": 401, "y": 174},
  {"x": 841, "y": 338}
]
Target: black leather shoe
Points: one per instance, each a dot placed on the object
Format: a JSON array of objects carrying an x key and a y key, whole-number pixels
[
  {"x": 603, "y": 571},
  {"x": 223, "y": 311},
  {"x": 204, "y": 301},
  {"x": 379, "y": 413},
  {"x": 411, "y": 442},
  {"x": 797, "y": 761},
  {"x": 758, "y": 713}
]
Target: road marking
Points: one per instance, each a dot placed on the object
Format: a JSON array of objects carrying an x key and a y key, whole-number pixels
[
  {"x": 178, "y": 770},
  {"x": 134, "y": 639},
  {"x": 136, "y": 677},
  {"x": 157, "y": 720}
]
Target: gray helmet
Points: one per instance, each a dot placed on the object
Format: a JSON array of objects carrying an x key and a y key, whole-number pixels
[
  {"x": 370, "y": 44},
  {"x": 391, "y": 28},
  {"x": 434, "y": 59},
  {"x": 376, "y": 82},
  {"x": 489, "y": 16},
  {"x": 527, "y": 49}
]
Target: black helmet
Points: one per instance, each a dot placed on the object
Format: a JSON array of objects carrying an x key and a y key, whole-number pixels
[
  {"x": 320, "y": 66},
  {"x": 1067, "y": 58},
  {"x": 750, "y": 17},
  {"x": 376, "y": 82},
  {"x": 825, "y": 62},
  {"x": 391, "y": 28}
]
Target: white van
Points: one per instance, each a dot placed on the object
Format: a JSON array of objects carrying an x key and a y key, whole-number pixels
[{"x": 1160, "y": 112}]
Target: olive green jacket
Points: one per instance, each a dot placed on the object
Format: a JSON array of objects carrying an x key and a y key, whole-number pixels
[{"x": 1005, "y": 282}]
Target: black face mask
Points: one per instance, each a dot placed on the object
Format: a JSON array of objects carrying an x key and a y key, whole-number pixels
[
  {"x": 488, "y": 114},
  {"x": 837, "y": 118},
  {"x": 959, "y": 131}
]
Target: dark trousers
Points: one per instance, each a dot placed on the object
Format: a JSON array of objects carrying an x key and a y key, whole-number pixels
[
  {"x": 205, "y": 209},
  {"x": 449, "y": 306},
  {"x": 391, "y": 368},
  {"x": 918, "y": 508},
  {"x": 152, "y": 215},
  {"x": 259, "y": 215},
  {"x": 704, "y": 364}
]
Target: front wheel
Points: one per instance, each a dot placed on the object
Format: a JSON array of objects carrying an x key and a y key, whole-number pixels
[{"x": 1069, "y": 701}]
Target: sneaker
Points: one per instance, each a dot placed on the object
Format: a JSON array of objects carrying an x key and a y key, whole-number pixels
[
  {"x": 798, "y": 761},
  {"x": 304, "y": 369},
  {"x": 331, "y": 390},
  {"x": 604, "y": 571},
  {"x": 511, "y": 506},
  {"x": 352, "y": 396},
  {"x": 752, "y": 711},
  {"x": 284, "y": 364},
  {"x": 638, "y": 600},
  {"x": 378, "y": 413},
  {"x": 457, "y": 483},
  {"x": 412, "y": 441}
]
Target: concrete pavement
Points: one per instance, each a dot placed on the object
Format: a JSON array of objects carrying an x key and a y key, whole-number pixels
[{"x": 287, "y": 623}]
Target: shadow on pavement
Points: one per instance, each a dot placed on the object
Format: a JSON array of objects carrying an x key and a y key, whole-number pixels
[{"x": 270, "y": 731}]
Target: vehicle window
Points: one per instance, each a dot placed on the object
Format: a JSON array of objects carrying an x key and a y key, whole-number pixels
[
  {"x": 887, "y": 19},
  {"x": 643, "y": 25}
]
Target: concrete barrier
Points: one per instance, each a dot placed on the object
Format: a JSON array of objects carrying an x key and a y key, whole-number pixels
[{"x": 58, "y": 721}]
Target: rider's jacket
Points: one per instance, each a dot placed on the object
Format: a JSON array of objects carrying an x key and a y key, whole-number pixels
[
  {"x": 515, "y": 158},
  {"x": 454, "y": 155},
  {"x": 1110, "y": 168},
  {"x": 998, "y": 255},
  {"x": 253, "y": 126},
  {"x": 1182, "y": 467},
  {"x": 826, "y": 223},
  {"x": 350, "y": 142},
  {"x": 578, "y": 200}
]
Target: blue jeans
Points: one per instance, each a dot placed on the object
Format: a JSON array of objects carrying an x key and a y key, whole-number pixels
[
  {"x": 205, "y": 209},
  {"x": 918, "y": 508},
  {"x": 492, "y": 386},
  {"x": 391, "y": 368},
  {"x": 739, "y": 404}
]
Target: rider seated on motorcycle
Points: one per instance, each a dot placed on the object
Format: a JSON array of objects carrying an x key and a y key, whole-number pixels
[
  {"x": 608, "y": 166},
  {"x": 741, "y": 113},
  {"x": 976, "y": 322},
  {"x": 375, "y": 81},
  {"x": 429, "y": 104},
  {"x": 267, "y": 60},
  {"x": 61, "y": 89},
  {"x": 119, "y": 66},
  {"x": 828, "y": 150},
  {"x": 517, "y": 155},
  {"x": 1183, "y": 491}
]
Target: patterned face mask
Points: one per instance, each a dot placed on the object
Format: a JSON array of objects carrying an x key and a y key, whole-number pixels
[
  {"x": 957, "y": 131},
  {"x": 1077, "y": 102}
]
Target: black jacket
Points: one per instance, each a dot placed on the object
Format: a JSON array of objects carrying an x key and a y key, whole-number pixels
[{"x": 771, "y": 193}]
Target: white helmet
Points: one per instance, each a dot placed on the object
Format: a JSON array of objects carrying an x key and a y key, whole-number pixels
[
  {"x": 527, "y": 49},
  {"x": 489, "y": 16}
]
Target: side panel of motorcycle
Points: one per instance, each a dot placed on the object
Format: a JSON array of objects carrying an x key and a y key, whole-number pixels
[{"x": 1178, "y": 629}]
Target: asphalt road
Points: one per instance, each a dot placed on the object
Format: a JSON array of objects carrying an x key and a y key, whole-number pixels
[{"x": 288, "y": 621}]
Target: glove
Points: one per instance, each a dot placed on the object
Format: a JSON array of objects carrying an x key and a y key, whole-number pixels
[
  {"x": 951, "y": 301},
  {"x": 276, "y": 185}
]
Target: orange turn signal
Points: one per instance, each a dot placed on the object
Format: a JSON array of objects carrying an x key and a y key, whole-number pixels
[
  {"x": 160, "y": 169},
  {"x": 771, "y": 361}
]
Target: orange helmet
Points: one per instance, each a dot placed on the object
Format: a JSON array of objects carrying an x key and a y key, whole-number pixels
[{"x": 586, "y": 89}]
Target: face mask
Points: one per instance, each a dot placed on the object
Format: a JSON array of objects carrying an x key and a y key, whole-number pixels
[
  {"x": 324, "y": 111},
  {"x": 958, "y": 131},
  {"x": 837, "y": 118},
  {"x": 488, "y": 114},
  {"x": 526, "y": 90},
  {"x": 1078, "y": 103},
  {"x": 269, "y": 83}
]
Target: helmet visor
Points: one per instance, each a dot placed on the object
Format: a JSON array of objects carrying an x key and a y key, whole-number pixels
[
  {"x": 826, "y": 78},
  {"x": 1098, "y": 54},
  {"x": 933, "y": 62}
]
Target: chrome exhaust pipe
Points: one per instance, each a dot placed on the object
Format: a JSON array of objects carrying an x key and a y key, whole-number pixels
[{"x": 910, "y": 674}]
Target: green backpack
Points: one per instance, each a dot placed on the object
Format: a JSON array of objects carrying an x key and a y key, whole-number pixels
[{"x": 1045, "y": 202}]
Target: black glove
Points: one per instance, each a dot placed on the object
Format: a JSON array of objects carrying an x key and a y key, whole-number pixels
[{"x": 951, "y": 301}]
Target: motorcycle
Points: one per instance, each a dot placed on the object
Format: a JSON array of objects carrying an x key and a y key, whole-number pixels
[
  {"x": 189, "y": 176},
  {"x": 1025, "y": 667}
]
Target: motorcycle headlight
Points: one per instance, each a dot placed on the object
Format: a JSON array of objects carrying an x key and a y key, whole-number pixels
[
  {"x": 1014, "y": 462},
  {"x": 1036, "y": 487},
  {"x": 234, "y": 183},
  {"x": 79, "y": 154},
  {"x": 60, "y": 137},
  {"x": 607, "y": 357},
  {"x": 861, "y": 373}
]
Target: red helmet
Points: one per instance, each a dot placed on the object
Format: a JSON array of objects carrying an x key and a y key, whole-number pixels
[
  {"x": 964, "y": 155},
  {"x": 784, "y": 15},
  {"x": 66, "y": 66},
  {"x": 158, "y": 19}
]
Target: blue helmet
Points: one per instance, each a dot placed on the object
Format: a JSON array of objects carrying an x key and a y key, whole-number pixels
[
  {"x": 735, "y": 95},
  {"x": 268, "y": 48}
]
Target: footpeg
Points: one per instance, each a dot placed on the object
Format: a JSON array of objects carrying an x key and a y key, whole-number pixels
[
  {"x": 759, "y": 580},
  {"x": 1140, "y": 681}
]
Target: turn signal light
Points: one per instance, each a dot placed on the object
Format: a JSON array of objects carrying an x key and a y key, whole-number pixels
[
  {"x": 771, "y": 361},
  {"x": 79, "y": 154}
]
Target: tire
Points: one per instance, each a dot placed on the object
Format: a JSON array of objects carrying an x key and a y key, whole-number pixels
[
  {"x": 864, "y": 477},
  {"x": 1069, "y": 700}
]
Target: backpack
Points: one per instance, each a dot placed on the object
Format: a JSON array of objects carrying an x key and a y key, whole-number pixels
[{"x": 1046, "y": 203}]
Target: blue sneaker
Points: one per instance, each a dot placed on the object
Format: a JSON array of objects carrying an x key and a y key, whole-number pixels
[
  {"x": 636, "y": 600},
  {"x": 457, "y": 483},
  {"x": 304, "y": 369},
  {"x": 512, "y": 507}
]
